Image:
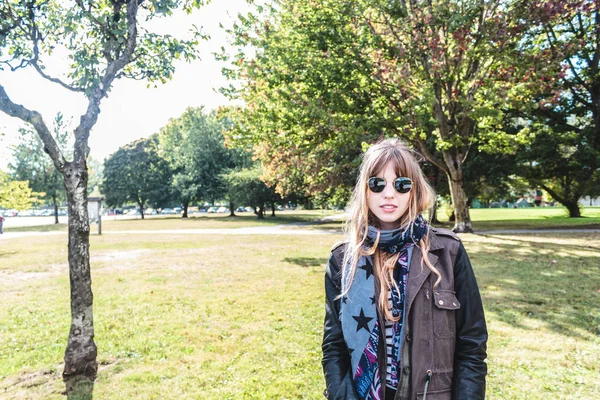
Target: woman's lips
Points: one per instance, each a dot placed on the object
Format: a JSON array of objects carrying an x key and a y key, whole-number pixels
[{"x": 388, "y": 208}]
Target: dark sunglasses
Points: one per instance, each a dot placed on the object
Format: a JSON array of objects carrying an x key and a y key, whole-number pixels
[{"x": 402, "y": 184}]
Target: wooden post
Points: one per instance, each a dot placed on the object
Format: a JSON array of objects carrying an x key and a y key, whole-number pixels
[{"x": 97, "y": 200}]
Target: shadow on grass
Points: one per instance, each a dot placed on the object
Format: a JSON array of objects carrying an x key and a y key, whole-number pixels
[
  {"x": 79, "y": 389},
  {"x": 554, "y": 283},
  {"x": 306, "y": 262},
  {"x": 279, "y": 218},
  {"x": 526, "y": 242}
]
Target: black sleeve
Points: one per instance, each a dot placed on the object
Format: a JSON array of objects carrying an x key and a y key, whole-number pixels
[
  {"x": 470, "y": 368},
  {"x": 336, "y": 358}
]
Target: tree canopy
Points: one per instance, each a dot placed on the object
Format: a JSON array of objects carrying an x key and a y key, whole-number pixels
[
  {"x": 194, "y": 146},
  {"x": 563, "y": 111},
  {"x": 16, "y": 194},
  {"x": 327, "y": 77},
  {"x": 137, "y": 173}
]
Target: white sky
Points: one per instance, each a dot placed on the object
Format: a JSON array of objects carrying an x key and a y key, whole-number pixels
[{"x": 131, "y": 110}]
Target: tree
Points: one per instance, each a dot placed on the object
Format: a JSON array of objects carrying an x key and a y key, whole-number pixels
[
  {"x": 563, "y": 114},
  {"x": 33, "y": 165},
  {"x": 246, "y": 187},
  {"x": 16, "y": 194},
  {"x": 137, "y": 173},
  {"x": 432, "y": 72},
  {"x": 194, "y": 147},
  {"x": 102, "y": 41}
]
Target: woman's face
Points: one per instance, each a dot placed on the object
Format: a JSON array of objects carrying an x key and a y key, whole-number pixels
[{"x": 389, "y": 205}]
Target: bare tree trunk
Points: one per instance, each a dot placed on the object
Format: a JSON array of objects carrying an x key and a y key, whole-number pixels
[
  {"x": 231, "y": 211},
  {"x": 574, "y": 210},
  {"x": 55, "y": 209},
  {"x": 569, "y": 199},
  {"x": 185, "y": 209},
  {"x": 433, "y": 213},
  {"x": 272, "y": 209},
  {"x": 261, "y": 212},
  {"x": 462, "y": 222},
  {"x": 80, "y": 356},
  {"x": 141, "y": 205}
]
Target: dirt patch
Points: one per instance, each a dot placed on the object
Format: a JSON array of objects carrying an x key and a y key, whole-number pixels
[
  {"x": 113, "y": 260},
  {"x": 39, "y": 384},
  {"x": 120, "y": 255},
  {"x": 7, "y": 276},
  {"x": 28, "y": 380},
  {"x": 119, "y": 260}
]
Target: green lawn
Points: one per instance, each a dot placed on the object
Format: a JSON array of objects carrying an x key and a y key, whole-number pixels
[
  {"x": 240, "y": 317},
  {"x": 533, "y": 218},
  {"x": 484, "y": 219},
  {"x": 195, "y": 221}
]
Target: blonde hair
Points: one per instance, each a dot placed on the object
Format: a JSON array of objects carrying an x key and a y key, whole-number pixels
[{"x": 422, "y": 196}]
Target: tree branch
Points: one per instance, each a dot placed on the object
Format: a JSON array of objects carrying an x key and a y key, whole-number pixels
[
  {"x": 35, "y": 63},
  {"x": 98, "y": 92},
  {"x": 429, "y": 155},
  {"x": 554, "y": 194},
  {"x": 34, "y": 118},
  {"x": 551, "y": 35}
]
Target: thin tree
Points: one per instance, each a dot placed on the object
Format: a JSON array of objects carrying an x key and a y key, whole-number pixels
[{"x": 103, "y": 41}]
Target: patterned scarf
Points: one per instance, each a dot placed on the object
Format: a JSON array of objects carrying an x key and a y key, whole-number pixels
[{"x": 358, "y": 311}]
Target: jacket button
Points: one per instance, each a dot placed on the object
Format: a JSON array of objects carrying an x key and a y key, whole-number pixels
[
  {"x": 408, "y": 337},
  {"x": 406, "y": 370}
]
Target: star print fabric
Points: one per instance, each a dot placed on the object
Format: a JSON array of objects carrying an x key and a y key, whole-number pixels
[
  {"x": 358, "y": 312},
  {"x": 368, "y": 371}
]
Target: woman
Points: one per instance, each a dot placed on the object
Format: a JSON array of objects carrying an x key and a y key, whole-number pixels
[{"x": 404, "y": 318}]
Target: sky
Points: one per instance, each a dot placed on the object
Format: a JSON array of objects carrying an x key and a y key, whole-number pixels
[{"x": 131, "y": 110}]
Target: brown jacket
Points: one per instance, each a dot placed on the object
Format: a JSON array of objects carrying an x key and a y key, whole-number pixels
[{"x": 444, "y": 340}]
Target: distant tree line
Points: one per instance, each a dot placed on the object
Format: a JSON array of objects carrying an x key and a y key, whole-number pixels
[{"x": 186, "y": 162}]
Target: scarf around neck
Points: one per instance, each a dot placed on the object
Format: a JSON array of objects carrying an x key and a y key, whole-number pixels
[{"x": 358, "y": 309}]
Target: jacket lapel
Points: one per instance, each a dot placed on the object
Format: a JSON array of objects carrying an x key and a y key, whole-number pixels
[{"x": 417, "y": 275}]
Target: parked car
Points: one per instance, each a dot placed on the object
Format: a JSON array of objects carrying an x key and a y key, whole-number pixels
[
  {"x": 222, "y": 210},
  {"x": 177, "y": 210},
  {"x": 167, "y": 211},
  {"x": 250, "y": 209},
  {"x": 10, "y": 213},
  {"x": 240, "y": 209},
  {"x": 212, "y": 209},
  {"x": 202, "y": 209},
  {"x": 150, "y": 211},
  {"x": 134, "y": 211}
]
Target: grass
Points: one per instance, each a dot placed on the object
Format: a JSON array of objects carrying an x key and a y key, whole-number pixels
[
  {"x": 239, "y": 317},
  {"x": 195, "y": 221},
  {"x": 483, "y": 220}
]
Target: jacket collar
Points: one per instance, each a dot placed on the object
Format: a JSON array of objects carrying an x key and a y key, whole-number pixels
[{"x": 434, "y": 241}]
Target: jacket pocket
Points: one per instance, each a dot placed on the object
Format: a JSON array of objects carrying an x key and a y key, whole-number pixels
[
  {"x": 445, "y": 394},
  {"x": 444, "y": 323}
]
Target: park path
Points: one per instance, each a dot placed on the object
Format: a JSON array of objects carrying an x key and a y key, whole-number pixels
[{"x": 287, "y": 229}]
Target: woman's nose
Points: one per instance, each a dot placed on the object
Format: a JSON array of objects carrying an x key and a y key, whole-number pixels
[{"x": 389, "y": 190}]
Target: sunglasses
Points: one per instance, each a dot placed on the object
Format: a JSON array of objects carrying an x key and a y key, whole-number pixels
[{"x": 402, "y": 184}]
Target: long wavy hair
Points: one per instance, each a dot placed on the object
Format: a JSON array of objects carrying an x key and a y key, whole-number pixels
[{"x": 421, "y": 198}]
